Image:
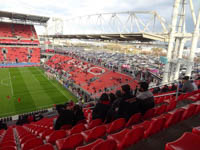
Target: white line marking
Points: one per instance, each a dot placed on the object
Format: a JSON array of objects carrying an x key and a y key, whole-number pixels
[{"x": 11, "y": 84}]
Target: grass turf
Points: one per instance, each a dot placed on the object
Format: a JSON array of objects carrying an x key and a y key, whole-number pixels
[{"x": 28, "y": 89}]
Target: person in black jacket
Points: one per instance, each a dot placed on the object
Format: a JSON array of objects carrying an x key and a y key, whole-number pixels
[
  {"x": 101, "y": 108},
  {"x": 3, "y": 125},
  {"x": 127, "y": 106},
  {"x": 66, "y": 116},
  {"x": 145, "y": 97},
  {"x": 78, "y": 114}
]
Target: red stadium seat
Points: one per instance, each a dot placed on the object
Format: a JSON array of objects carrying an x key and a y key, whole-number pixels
[
  {"x": 8, "y": 148},
  {"x": 44, "y": 147},
  {"x": 55, "y": 136},
  {"x": 155, "y": 126},
  {"x": 71, "y": 142},
  {"x": 149, "y": 114},
  {"x": 10, "y": 143},
  {"x": 94, "y": 123},
  {"x": 26, "y": 138},
  {"x": 106, "y": 145},
  {"x": 160, "y": 110},
  {"x": 66, "y": 127},
  {"x": 188, "y": 141},
  {"x": 93, "y": 134},
  {"x": 90, "y": 146},
  {"x": 171, "y": 105},
  {"x": 76, "y": 129},
  {"x": 46, "y": 133},
  {"x": 116, "y": 125},
  {"x": 127, "y": 137},
  {"x": 189, "y": 111},
  {"x": 32, "y": 143},
  {"x": 133, "y": 119},
  {"x": 196, "y": 130}
]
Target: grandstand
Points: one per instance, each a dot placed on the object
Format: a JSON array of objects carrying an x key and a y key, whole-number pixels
[{"x": 37, "y": 93}]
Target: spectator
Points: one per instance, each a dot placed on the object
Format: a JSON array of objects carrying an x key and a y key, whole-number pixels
[
  {"x": 145, "y": 98},
  {"x": 112, "y": 98},
  {"x": 187, "y": 85},
  {"x": 101, "y": 108},
  {"x": 78, "y": 114},
  {"x": 3, "y": 125},
  {"x": 66, "y": 116},
  {"x": 165, "y": 89},
  {"x": 174, "y": 87},
  {"x": 126, "y": 109},
  {"x": 156, "y": 90},
  {"x": 38, "y": 116}
]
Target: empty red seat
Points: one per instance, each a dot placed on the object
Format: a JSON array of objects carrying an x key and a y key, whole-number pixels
[
  {"x": 149, "y": 114},
  {"x": 8, "y": 148},
  {"x": 127, "y": 137},
  {"x": 188, "y": 141},
  {"x": 196, "y": 130},
  {"x": 171, "y": 105},
  {"x": 55, "y": 136},
  {"x": 7, "y": 143},
  {"x": 173, "y": 117},
  {"x": 71, "y": 142},
  {"x": 44, "y": 147},
  {"x": 93, "y": 134},
  {"x": 66, "y": 127},
  {"x": 46, "y": 133},
  {"x": 160, "y": 110},
  {"x": 90, "y": 146},
  {"x": 32, "y": 143},
  {"x": 116, "y": 125},
  {"x": 106, "y": 145},
  {"x": 94, "y": 123},
  {"x": 133, "y": 119},
  {"x": 189, "y": 111},
  {"x": 155, "y": 126},
  {"x": 76, "y": 129},
  {"x": 26, "y": 138}
]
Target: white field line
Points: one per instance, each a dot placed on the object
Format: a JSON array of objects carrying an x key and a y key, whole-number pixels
[{"x": 11, "y": 84}]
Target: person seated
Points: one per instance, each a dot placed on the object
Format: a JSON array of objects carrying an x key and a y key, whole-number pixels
[
  {"x": 101, "y": 108},
  {"x": 194, "y": 85},
  {"x": 66, "y": 116},
  {"x": 3, "y": 125},
  {"x": 165, "y": 89},
  {"x": 127, "y": 105},
  {"x": 156, "y": 90},
  {"x": 187, "y": 85},
  {"x": 78, "y": 114},
  {"x": 112, "y": 98},
  {"x": 145, "y": 97},
  {"x": 174, "y": 87}
]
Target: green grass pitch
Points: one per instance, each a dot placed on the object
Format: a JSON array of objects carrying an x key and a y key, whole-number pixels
[{"x": 28, "y": 89}]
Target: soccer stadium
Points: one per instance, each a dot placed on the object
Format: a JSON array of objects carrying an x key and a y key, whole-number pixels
[{"x": 114, "y": 80}]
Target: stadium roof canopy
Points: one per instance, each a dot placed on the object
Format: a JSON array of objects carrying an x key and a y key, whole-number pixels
[
  {"x": 142, "y": 37},
  {"x": 22, "y": 18}
]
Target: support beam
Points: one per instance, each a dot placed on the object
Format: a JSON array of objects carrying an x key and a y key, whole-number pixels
[
  {"x": 171, "y": 40},
  {"x": 195, "y": 39}
]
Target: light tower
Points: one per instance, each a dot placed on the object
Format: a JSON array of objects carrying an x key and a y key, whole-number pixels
[{"x": 177, "y": 39}]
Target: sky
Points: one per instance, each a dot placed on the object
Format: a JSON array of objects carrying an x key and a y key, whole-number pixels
[{"x": 71, "y": 8}]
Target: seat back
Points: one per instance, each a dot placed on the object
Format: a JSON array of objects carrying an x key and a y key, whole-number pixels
[
  {"x": 134, "y": 119},
  {"x": 106, "y": 145},
  {"x": 97, "y": 132},
  {"x": 77, "y": 129},
  {"x": 90, "y": 146},
  {"x": 32, "y": 143},
  {"x": 70, "y": 142},
  {"x": 94, "y": 123},
  {"x": 133, "y": 136},
  {"x": 160, "y": 110},
  {"x": 149, "y": 114},
  {"x": 44, "y": 147},
  {"x": 116, "y": 125},
  {"x": 55, "y": 136}
]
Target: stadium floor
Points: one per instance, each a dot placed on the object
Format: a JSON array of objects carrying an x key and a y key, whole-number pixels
[{"x": 27, "y": 89}]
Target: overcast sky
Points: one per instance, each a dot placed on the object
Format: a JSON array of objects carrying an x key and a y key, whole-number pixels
[{"x": 72, "y": 8}]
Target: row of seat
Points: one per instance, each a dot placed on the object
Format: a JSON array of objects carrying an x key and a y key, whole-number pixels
[
  {"x": 21, "y": 54},
  {"x": 188, "y": 141},
  {"x": 15, "y": 30}
]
